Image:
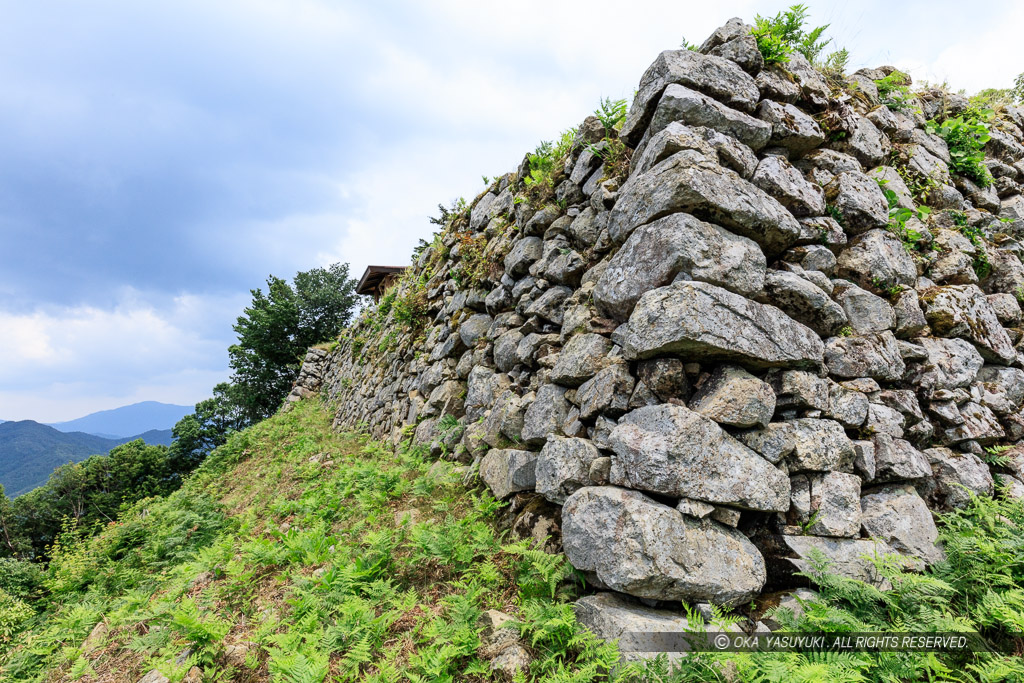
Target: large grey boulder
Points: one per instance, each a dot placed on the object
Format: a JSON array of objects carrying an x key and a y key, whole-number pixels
[
  {"x": 773, "y": 441},
  {"x": 638, "y": 546},
  {"x": 847, "y": 406},
  {"x": 802, "y": 301},
  {"x": 606, "y": 392},
  {"x": 963, "y": 311},
  {"x": 869, "y": 355},
  {"x": 612, "y": 616},
  {"x": 859, "y": 200},
  {"x": 674, "y": 137},
  {"x": 730, "y": 30},
  {"x": 866, "y": 312},
  {"x": 977, "y": 423},
  {"x": 665, "y": 377},
  {"x": 909, "y": 316},
  {"x": 951, "y": 364},
  {"x": 550, "y": 304},
  {"x": 688, "y": 182},
  {"x": 505, "y": 350},
  {"x": 814, "y": 89},
  {"x": 580, "y": 359},
  {"x": 897, "y": 460},
  {"x": 999, "y": 389},
  {"x": 691, "y": 108},
  {"x": 504, "y": 424},
  {"x": 818, "y": 445},
  {"x": 782, "y": 180},
  {"x": 732, "y": 396},
  {"x": 677, "y": 245},
  {"x": 791, "y": 128},
  {"x": 474, "y": 328},
  {"x": 868, "y": 144},
  {"x": 702, "y": 321},
  {"x": 672, "y": 450},
  {"x": 898, "y": 516},
  {"x": 524, "y": 253},
  {"x": 744, "y": 51},
  {"x": 835, "y": 505},
  {"x": 507, "y": 471},
  {"x": 715, "y": 76},
  {"x": 957, "y": 476},
  {"x": 563, "y": 467},
  {"x": 799, "y": 389},
  {"x": 876, "y": 258},
  {"x": 545, "y": 415}
]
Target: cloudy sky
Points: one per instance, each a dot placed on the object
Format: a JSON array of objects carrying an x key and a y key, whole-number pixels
[{"x": 159, "y": 159}]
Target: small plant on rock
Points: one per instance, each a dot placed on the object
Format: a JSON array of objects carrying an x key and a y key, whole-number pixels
[
  {"x": 894, "y": 91},
  {"x": 780, "y": 36},
  {"x": 966, "y": 136},
  {"x": 611, "y": 113}
]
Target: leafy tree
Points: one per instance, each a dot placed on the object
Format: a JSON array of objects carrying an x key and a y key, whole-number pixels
[
  {"x": 277, "y": 328},
  {"x": 12, "y": 536},
  {"x": 197, "y": 434},
  {"x": 89, "y": 493}
]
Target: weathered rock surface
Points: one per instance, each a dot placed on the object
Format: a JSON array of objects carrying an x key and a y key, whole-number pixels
[
  {"x": 733, "y": 396},
  {"x": 612, "y": 616},
  {"x": 868, "y": 355},
  {"x": 957, "y": 476},
  {"x": 781, "y": 180},
  {"x": 803, "y": 301},
  {"x": 714, "y": 76},
  {"x": 638, "y": 546},
  {"x": 691, "y": 108},
  {"x": 846, "y": 556},
  {"x": 563, "y": 467},
  {"x": 898, "y": 516},
  {"x": 791, "y": 128},
  {"x": 876, "y": 258},
  {"x": 508, "y": 471},
  {"x": 700, "y": 320},
  {"x": 672, "y": 450},
  {"x": 963, "y": 311},
  {"x": 681, "y": 246},
  {"x": 689, "y": 182},
  {"x": 580, "y": 359}
]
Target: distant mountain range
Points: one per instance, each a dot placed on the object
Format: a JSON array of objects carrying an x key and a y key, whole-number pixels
[
  {"x": 30, "y": 451},
  {"x": 126, "y": 420}
]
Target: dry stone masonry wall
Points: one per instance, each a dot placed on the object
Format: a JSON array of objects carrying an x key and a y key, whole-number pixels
[{"x": 701, "y": 347}]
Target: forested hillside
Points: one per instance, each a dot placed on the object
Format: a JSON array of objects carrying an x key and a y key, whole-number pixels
[{"x": 30, "y": 452}]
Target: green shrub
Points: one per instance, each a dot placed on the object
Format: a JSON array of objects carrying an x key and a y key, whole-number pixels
[
  {"x": 894, "y": 91},
  {"x": 966, "y": 136},
  {"x": 779, "y": 36},
  {"x": 13, "y": 613}
]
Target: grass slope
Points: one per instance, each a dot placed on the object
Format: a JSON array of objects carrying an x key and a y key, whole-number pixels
[
  {"x": 269, "y": 565},
  {"x": 283, "y": 559}
]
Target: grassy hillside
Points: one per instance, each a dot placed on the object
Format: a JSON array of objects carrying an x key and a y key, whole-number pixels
[
  {"x": 299, "y": 555},
  {"x": 281, "y": 559},
  {"x": 30, "y": 451}
]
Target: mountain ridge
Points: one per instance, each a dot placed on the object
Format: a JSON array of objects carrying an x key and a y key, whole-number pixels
[
  {"x": 125, "y": 421},
  {"x": 30, "y": 451}
]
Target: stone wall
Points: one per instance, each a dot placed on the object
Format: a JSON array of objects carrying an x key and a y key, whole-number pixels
[{"x": 706, "y": 344}]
